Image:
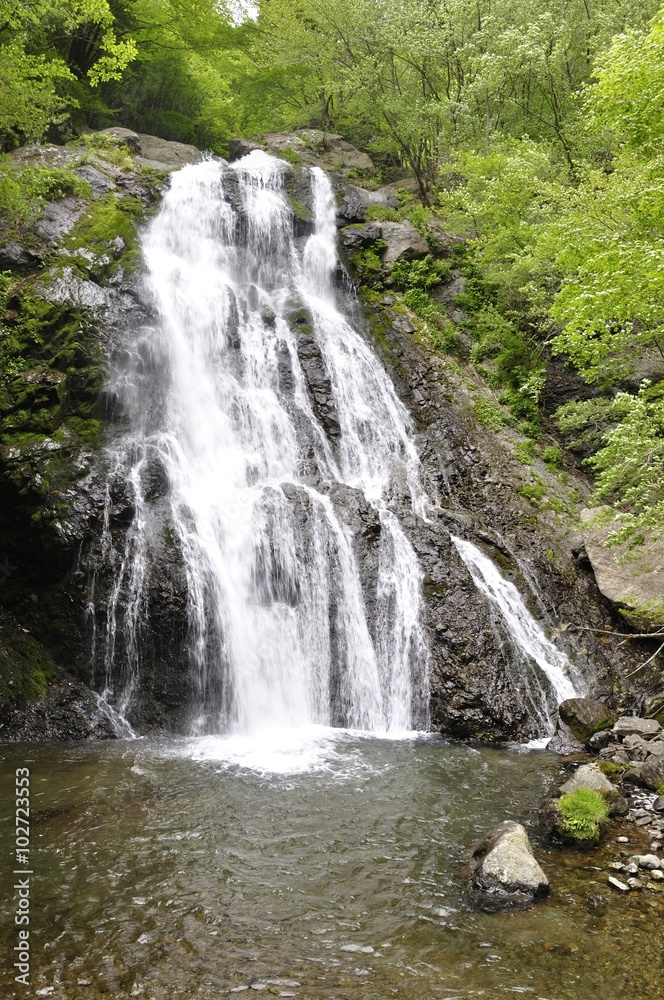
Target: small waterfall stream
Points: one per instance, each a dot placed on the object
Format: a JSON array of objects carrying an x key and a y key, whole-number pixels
[
  {"x": 279, "y": 634},
  {"x": 541, "y": 672}
]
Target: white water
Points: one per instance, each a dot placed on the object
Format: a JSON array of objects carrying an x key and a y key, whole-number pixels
[
  {"x": 279, "y": 633},
  {"x": 541, "y": 672}
]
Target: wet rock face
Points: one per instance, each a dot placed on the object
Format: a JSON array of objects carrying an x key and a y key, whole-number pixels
[{"x": 71, "y": 556}]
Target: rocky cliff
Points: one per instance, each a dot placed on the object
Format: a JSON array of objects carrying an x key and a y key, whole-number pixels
[{"x": 74, "y": 290}]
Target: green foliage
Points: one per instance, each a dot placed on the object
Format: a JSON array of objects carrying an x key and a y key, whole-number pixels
[
  {"x": 25, "y": 192},
  {"x": 610, "y": 769},
  {"x": 583, "y": 815},
  {"x": 553, "y": 457},
  {"x": 44, "y": 50},
  {"x": 489, "y": 414},
  {"x": 376, "y": 213},
  {"x": 630, "y": 465},
  {"x": 425, "y": 273}
]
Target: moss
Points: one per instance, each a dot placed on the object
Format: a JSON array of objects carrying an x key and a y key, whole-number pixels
[
  {"x": 93, "y": 245},
  {"x": 25, "y": 668},
  {"x": 610, "y": 769},
  {"x": 376, "y": 213},
  {"x": 290, "y": 156},
  {"x": 583, "y": 816},
  {"x": 109, "y": 148},
  {"x": 553, "y": 457},
  {"x": 524, "y": 451},
  {"x": 488, "y": 413},
  {"x": 534, "y": 492}
]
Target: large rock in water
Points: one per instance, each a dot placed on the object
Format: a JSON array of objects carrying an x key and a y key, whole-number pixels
[
  {"x": 584, "y": 717},
  {"x": 632, "y": 580},
  {"x": 505, "y": 864}
]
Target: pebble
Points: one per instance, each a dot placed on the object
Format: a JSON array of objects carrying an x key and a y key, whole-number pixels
[
  {"x": 622, "y": 840},
  {"x": 617, "y": 884},
  {"x": 657, "y": 875},
  {"x": 634, "y": 883},
  {"x": 617, "y": 866},
  {"x": 644, "y": 821},
  {"x": 649, "y": 861},
  {"x": 632, "y": 869}
]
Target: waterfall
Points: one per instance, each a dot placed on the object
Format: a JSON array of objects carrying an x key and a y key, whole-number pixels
[
  {"x": 540, "y": 672},
  {"x": 279, "y": 632}
]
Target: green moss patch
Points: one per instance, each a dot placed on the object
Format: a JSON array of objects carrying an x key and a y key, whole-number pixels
[{"x": 583, "y": 816}]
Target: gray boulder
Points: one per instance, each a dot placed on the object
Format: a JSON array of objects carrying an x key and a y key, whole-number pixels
[
  {"x": 358, "y": 237},
  {"x": 585, "y": 717},
  {"x": 504, "y": 863},
  {"x": 627, "y": 726},
  {"x": 652, "y": 774},
  {"x": 403, "y": 243},
  {"x": 633, "y": 581},
  {"x": 161, "y": 153},
  {"x": 587, "y": 776}
]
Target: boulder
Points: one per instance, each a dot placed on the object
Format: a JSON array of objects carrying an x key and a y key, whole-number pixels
[
  {"x": 652, "y": 774},
  {"x": 309, "y": 146},
  {"x": 588, "y": 776},
  {"x": 504, "y": 863},
  {"x": 627, "y": 726},
  {"x": 403, "y": 243},
  {"x": 599, "y": 741},
  {"x": 161, "y": 153},
  {"x": 633, "y": 579},
  {"x": 585, "y": 717},
  {"x": 126, "y": 136},
  {"x": 655, "y": 708},
  {"x": 564, "y": 742},
  {"x": 358, "y": 237}
]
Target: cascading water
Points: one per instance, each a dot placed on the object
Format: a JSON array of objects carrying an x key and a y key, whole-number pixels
[
  {"x": 541, "y": 672},
  {"x": 279, "y": 634}
]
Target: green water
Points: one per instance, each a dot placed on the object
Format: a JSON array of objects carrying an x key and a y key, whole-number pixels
[{"x": 158, "y": 874}]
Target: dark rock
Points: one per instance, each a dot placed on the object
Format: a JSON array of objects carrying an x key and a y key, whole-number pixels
[
  {"x": 619, "y": 806},
  {"x": 504, "y": 863},
  {"x": 598, "y": 741},
  {"x": 237, "y": 148},
  {"x": 652, "y": 773},
  {"x": 563, "y": 741},
  {"x": 584, "y": 717},
  {"x": 658, "y": 804},
  {"x": 654, "y": 708},
  {"x": 68, "y": 711},
  {"x": 358, "y": 237},
  {"x": 17, "y": 258}
]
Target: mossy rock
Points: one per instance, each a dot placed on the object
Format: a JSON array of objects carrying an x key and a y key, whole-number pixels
[{"x": 582, "y": 817}]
